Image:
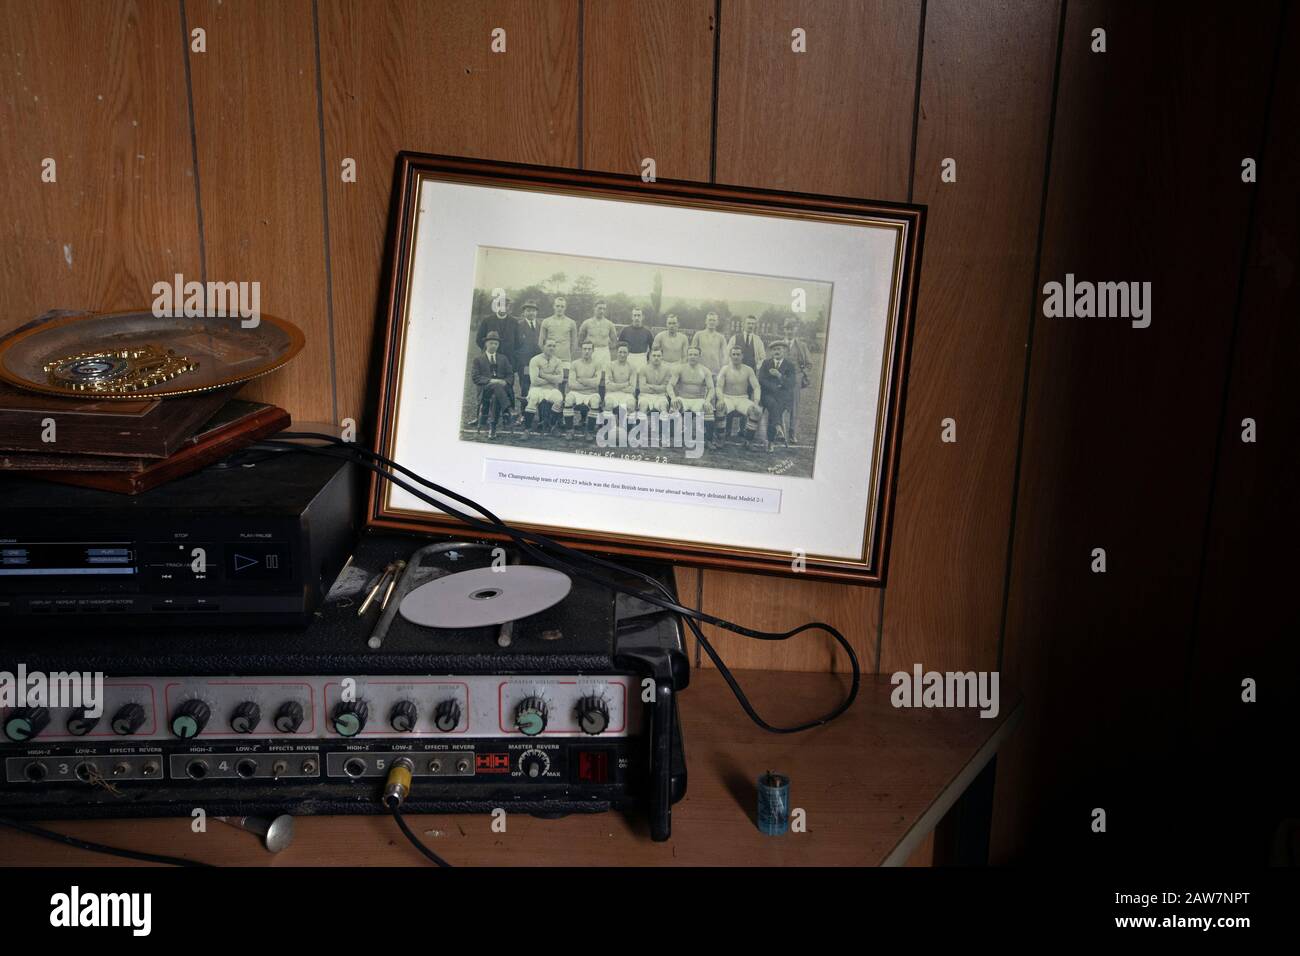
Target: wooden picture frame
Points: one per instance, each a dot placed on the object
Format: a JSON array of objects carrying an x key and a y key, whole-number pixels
[{"x": 468, "y": 232}]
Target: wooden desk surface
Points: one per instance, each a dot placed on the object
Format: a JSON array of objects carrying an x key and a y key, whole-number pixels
[{"x": 873, "y": 783}]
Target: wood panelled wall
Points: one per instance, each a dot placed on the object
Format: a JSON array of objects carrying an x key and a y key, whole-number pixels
[
  {"x": 1121, "y": 424},
  {"x": 226, "y": 164}
]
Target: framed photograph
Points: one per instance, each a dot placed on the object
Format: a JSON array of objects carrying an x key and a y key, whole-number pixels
[{"x": 704, "y": 374}]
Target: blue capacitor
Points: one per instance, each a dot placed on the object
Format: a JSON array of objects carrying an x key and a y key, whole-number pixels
[{"x": 773, "y": 803}]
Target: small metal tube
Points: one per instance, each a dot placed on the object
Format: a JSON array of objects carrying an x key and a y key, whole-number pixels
[{"x": 773, "y": 815}]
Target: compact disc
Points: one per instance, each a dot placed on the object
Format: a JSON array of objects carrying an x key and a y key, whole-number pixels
[{"x": 485, "y": 596}]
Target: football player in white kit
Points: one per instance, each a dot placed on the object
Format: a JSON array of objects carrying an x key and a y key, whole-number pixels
[
  {"x": 738, "y": 394},
  {"x": 652, "y": 385},
  {"x": 600, "y": 332},
  {"x": 562, "y": 328},
  {"x": 583, "y": 395},
  {"x": 620, "y": 392},
  {"x": 673, "y": 343},
  {"x": 690, "y": 390},
  {"x": 712, "y": 344},
  {"x": 620, "y": 383},
  {"x": 545, "y": 400}
]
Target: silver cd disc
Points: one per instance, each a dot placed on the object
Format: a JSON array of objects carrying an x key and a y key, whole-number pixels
[{"x": 485, "y": 596}]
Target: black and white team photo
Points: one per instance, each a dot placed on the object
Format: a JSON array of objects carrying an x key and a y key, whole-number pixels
[{"x": 646, "y": 362}]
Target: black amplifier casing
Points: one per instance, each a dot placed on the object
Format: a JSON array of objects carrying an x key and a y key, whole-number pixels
[
  {"x": 273, "y": 530},
  {"x": 604, "y": 635}
]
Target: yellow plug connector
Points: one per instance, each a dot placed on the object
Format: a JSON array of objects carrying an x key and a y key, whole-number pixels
[{"x": 398, "y": 786}]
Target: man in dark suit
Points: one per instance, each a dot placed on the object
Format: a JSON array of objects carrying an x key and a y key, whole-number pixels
[
  {"x": 779, "y": 378},
  {"x": 752, "y": 352},
  {"x": 502, "y": 323},
  {"x": 527, "y": 331},
  {"x": 798, "y": 355},
  {"x": 494, "y": 375}
]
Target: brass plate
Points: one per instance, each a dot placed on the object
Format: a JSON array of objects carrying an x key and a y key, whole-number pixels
[{"x": 134, "y": 355}]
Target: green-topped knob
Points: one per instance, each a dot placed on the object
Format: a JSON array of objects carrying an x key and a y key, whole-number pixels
[
  {"x": 350, "y": 718},
  {"x": 530, "y": 716},
  {"x": 24, "y": 723},
  {"x": 190, "y": 719}
]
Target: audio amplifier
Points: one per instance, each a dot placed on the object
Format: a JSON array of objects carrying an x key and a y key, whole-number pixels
[{"x": 575, "y": 712}]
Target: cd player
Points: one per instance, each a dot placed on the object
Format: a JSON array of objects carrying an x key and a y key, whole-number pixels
[{"x": 254, "y": 539}]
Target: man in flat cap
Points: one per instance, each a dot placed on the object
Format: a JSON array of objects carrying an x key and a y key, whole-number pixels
[
  {"x": 797, "y": 353},
  {"x": 779, "y": 379},
  {"x": 494, "y": 376}
]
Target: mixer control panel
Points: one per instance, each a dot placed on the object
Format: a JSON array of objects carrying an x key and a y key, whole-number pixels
[{"x": 254, "y": 709}]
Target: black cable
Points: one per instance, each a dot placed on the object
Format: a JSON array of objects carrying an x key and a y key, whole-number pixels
[
  {"x": 415, "y": 841},
  {"x": 99, "y": 847},
  {"x": 537, "y": 545},
  {"x": 495, "y": 524}
]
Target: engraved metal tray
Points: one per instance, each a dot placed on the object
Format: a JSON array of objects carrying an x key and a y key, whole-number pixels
[{"x": 130, "y": 355}]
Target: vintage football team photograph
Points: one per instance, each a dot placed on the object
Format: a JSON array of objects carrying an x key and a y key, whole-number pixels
[{"x": 645, "y": 362}]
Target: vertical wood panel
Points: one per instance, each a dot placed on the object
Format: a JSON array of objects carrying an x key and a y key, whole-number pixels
[
  {"x": 648, "y": 92},
  {"x": 1249, "y": 619},
  {"x": 422, "y": 76},
  {"x": 259, "y": 163},
  {"x": 100, "y": 89},
  {"x": 836, "y": 119},
  {"x": 648, "y": 86},
  {"x": 778, "y": 604},
  {"x": 1121, "y": 422},
  {"x": 986, "y": 89}
]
